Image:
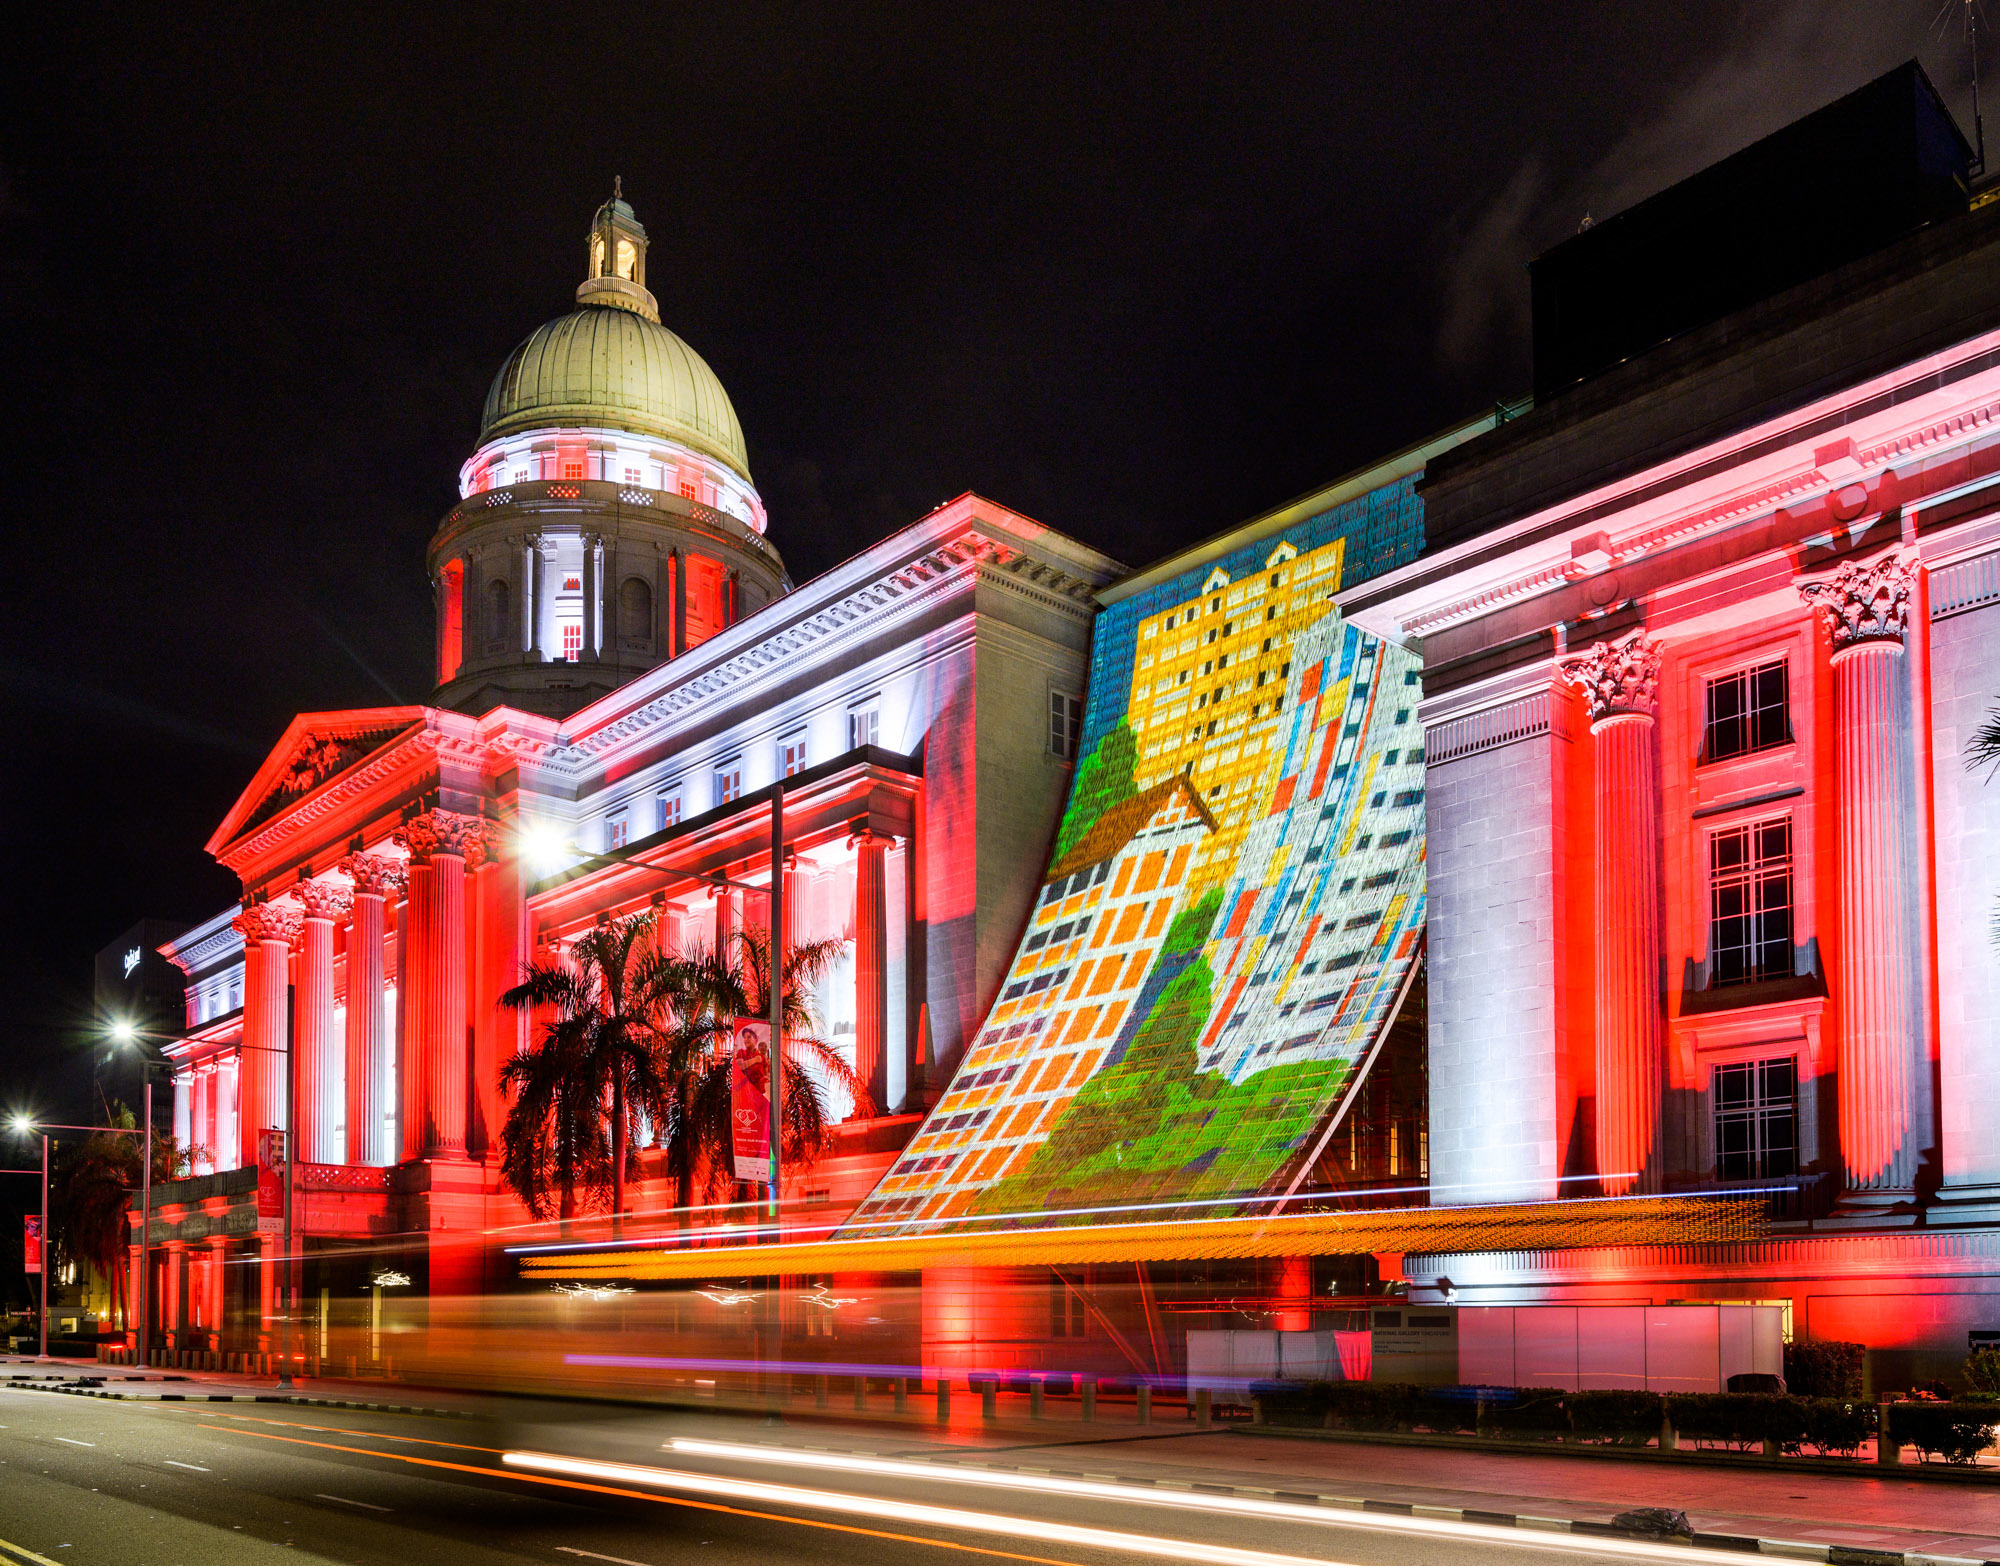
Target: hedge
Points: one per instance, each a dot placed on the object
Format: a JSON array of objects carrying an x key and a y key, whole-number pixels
[
  {"x": 1957, "y": 1432},
  {"x": 1823, "y": 1368}
]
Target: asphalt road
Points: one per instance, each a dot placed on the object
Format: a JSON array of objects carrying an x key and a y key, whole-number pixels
[{"x": 96, "y": 1483}]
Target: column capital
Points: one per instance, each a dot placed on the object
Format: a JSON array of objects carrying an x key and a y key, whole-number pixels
[
  {"x": 862, "y": 835},
  {"x": 1617, "y": 678},
  {"x": 270, "y": 922},
  {"x": 374, "y": 875},
  {"x": 324, "y": 899},
  {"x": 1863, "y": 601},
  {"x": 444, "y": 832}
]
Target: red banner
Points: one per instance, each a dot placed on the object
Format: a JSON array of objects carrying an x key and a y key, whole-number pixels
[
  {"x": 750, "y": 1099},
  {"x": 32, "y": 1237}
]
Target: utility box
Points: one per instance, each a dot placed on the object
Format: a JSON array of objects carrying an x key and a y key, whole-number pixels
[{"x": 1581, "y": 1348}]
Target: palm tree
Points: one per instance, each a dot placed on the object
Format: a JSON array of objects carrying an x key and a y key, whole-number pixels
[
  {"x": 704, "y": 991},
  {"x": 601, "y": 1045},
  {"x": 645, "y": 1031},
  {"x": 1984, "y": 751},
  {"x": 90, "y": 1196}
]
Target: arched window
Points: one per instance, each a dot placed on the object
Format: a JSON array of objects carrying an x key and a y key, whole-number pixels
[
  {"x": 635, "y": 610},
  {"x": 499, "y": 616}
]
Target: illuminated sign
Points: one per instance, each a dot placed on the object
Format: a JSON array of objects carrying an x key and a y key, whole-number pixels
[
  {"x": 1233, "y": 909},
  {"x": 131, "y": 960}
]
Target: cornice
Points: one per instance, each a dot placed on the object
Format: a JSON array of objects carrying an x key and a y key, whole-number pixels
[
  {"x": 971, "y": 555},
  {"x": 1551, "y": 550},
  {"x": 207, "y": 944}
]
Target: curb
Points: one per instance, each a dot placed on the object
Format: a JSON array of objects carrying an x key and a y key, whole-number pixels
[
  {"x": 1733, "y": 1543},
  {"x": 246, "y": 1397}
]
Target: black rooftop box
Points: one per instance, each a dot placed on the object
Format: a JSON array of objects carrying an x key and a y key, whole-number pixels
[{"x": 1844, "y": 181}]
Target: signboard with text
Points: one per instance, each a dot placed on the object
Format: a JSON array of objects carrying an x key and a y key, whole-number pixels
[{"x": 750, "y": 1099}]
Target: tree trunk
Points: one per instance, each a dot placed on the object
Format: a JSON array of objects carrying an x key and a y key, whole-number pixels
[{"x": 617, "y": 1150}]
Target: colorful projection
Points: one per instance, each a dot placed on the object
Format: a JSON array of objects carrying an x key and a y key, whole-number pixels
[{"x": 1233, "y": 908}]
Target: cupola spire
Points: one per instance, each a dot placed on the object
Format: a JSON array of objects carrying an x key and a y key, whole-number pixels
[{"x": 615, "y": 275}]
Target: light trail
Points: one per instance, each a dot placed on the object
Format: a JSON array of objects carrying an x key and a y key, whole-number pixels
[{"x": 1068, "y": 1533}]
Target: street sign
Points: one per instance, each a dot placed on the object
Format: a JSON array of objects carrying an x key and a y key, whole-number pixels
[{"x": 32, "y": 1237}]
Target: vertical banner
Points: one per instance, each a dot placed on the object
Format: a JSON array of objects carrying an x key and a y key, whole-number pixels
[
  {"x": 750, "y": 1099},
  {"x": 270, "y": 1182},
  {"x": 31, "y": 1228}
]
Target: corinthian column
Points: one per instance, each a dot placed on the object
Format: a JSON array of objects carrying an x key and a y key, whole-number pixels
[
  {"x": 268, "y": 930},
  {"x": 871, "y": 963},
  {"x": 441, "y": 844},
  {"x": 319, "y": 1059},
  {"x": 1885, "y": 1099},
  {"x": 1620, "y": 681},
  {"x": 368, "y": 1107}
]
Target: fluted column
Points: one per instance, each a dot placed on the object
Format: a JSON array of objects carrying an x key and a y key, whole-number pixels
[
  {"x": 1886, "y": 1108},
  {"x": 376, "y": 879},
  {"x": 184, "y": 1106},
  {"x": 1620, "y": 682},
  {"x": 871, "y": 963},
  {"x": 320, "y": 1056},
  {"x": 268, "y": 930},
  {"x": 201, "y": 1120},
  {"x": 226, "y": 1150},
  {"x": 441, "y": 844}
]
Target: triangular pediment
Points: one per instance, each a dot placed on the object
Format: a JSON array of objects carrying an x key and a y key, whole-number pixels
[{"x": 316, "y": 748}]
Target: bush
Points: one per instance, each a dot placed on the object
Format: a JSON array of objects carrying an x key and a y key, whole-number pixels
[
  {"x": 1957, "y": 1432},
  {"x": 1816, "y": 1368},
  {"x": 1624, "y": 1418},
  {"x": 1982, "y": 1371},
  {"x": 1739, "y": 1419},
  {"x": 1534, "y": 1411},
  {"x": 1835, "y": 1427},
  {"x": 1369, "y": 1405}
]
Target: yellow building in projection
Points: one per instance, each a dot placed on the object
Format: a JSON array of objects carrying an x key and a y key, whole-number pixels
[{"x": 1208, "y": 684}]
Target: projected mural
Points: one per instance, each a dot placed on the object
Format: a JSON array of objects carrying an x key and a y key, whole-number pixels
[{"x": 1233, "y": 906}]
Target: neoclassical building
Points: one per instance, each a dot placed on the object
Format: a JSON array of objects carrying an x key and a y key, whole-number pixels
[{"x": 627, "y": 682}]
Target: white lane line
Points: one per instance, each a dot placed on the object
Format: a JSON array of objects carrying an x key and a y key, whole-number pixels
[
  {"x": 1342, "y": 1517},
  {"x": 75, "y": 1443},
  {"x": 592, "y": 1555},
  {"x": 369, "y": 1506},
  {"x": 195, "y": 1466}
]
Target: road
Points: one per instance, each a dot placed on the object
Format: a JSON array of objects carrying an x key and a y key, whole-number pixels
[{"x": 98, "y": 1483}]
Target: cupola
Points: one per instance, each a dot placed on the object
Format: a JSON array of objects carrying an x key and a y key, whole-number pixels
[{"x": 615, "y": 274}]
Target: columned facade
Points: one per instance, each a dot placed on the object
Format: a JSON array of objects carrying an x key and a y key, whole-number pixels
[
  {"x": 319, "y": 1067},
  {"x": 369, "y": 1062},
  {"x": 269, "y": 933},
  {"x": 1620, "y": 683},
  {"x": 1886, "y": 1111},
  {"x": 442, "y": 844}
]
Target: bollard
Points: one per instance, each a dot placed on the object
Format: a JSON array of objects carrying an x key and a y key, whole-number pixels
[
  {"x": 989, "y": 1396},
  {"x": 1035, "y": 1398},
  {"x": 1202, "y": 1407},
  {"x": 1670, "y": 1438},
  {"x": 943, "y": 1401},
  {"x": 1256, "y": 1408},
  {"x": 901, "y": 1386},
  {"x": 819, "y": 1391},
  {"x": 1089, "y": 1390},
  {"x": 860, "y": 1394},
  {"x": 1887, "y": 1448},
  {"x": 1145, "y": 1395}
]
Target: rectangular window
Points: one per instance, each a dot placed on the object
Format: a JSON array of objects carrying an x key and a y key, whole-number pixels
[
  {"x": 617, "y": 830},
  {"x": 572, "y": 470},
  {"x": 631, "y": 475},
  {"x": 1750, "y": 903},
  {"x": 1756, "y": 1120},
  {"x": 728, "y": 782},
  {"x": 1065, "y": 725},
  {"x": 1747, "y": 711},
  {"x": 690, "y": 490},
  {"x": 791, "y": 756},
  {"x": 572, "y": 648},
  {"x": 1067, "y": 1316},
  {"x": 670, "y": 810},
  {"x": 864, "y": 727}
]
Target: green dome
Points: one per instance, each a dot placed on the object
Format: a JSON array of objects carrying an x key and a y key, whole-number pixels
[{"x": 609, "y": 367}]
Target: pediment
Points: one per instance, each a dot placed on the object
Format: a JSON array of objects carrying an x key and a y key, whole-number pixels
[{"x": 316, "y": 748}]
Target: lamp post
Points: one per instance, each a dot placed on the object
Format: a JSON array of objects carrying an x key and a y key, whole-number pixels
[{"x": 126, "y": 1033}]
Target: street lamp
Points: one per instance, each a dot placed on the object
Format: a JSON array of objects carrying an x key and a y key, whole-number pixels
[{"x": 127, "y": 1033}]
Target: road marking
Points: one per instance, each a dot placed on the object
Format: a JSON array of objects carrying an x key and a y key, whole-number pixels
[
  {"x": 344, "y": 1501},
  {"x": 26, "y": 1554},
  {"x": 195, "y": 1466},
  {"x": 654, "y": 1496},
  {"x": 76, "y": 1443},
  {"x": 592, "y": 1555}
]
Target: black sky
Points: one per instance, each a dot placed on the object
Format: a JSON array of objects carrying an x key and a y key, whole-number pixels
[{"x": 1137, "y": 270}]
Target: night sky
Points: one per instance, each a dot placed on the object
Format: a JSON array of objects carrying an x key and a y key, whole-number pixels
[{"x": 1138, "y": 271}]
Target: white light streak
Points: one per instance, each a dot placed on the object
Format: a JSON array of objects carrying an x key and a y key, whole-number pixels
[{"x": 1191, "y": 1501}]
